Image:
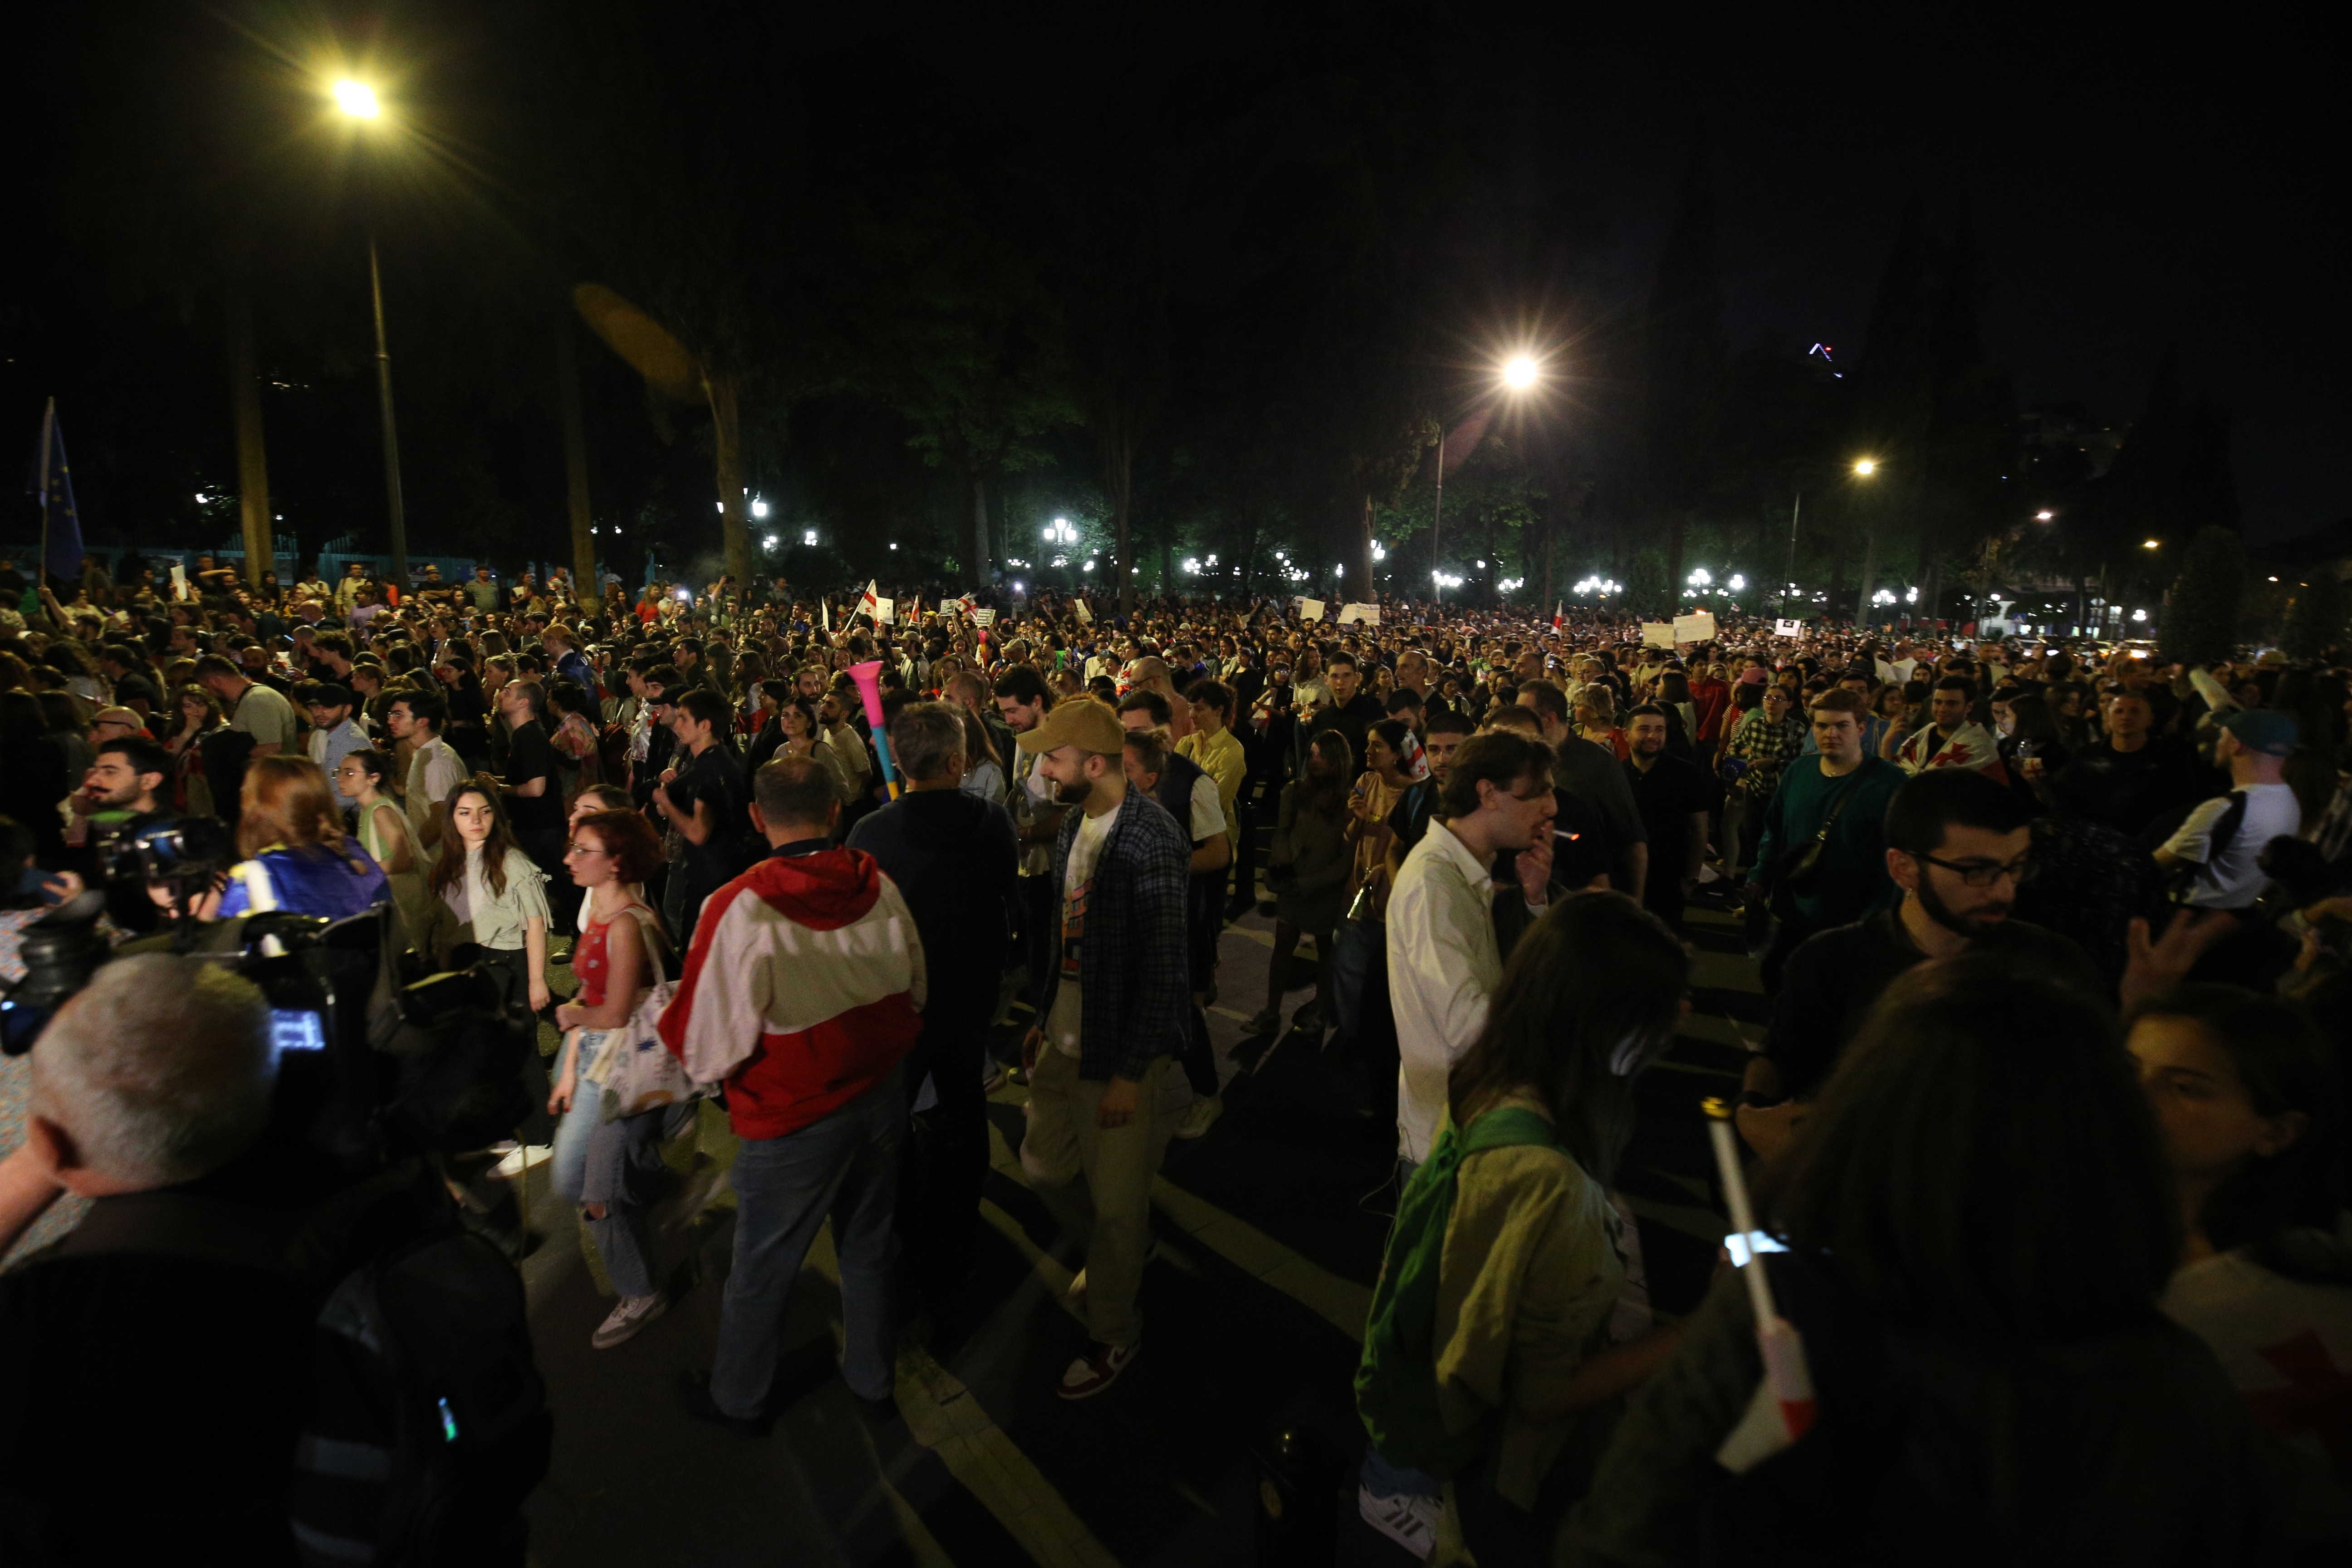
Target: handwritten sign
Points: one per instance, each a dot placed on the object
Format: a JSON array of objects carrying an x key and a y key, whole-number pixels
[
  {"x": 1699, "y": 627},
  {"x": 1657, "y": 634},
  {"x": 1786, "y": 628},
  {"x": 1365, "y": 615},
  {"x": 1310, "y": 609}
]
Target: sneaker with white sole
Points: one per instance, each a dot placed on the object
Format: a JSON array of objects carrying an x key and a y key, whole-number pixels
[
  {"x": 633, "y": 1313},
  {"x": 1411, "y": 1521},
  {"x": 522, "y": 1159},
  {"x": 1097, "y": 1369},
  {"x": 1200, "y": 1115}
]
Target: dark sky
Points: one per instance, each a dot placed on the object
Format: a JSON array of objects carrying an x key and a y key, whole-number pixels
[{"x": 2135, "y": 185}]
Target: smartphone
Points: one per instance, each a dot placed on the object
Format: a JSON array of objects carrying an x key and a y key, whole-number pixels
[{"x": 292, "y": 1029}]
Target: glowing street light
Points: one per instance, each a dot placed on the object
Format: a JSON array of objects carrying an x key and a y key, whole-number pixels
[
  {"x": 1521, "y": 371},
  {"x": 1865, "y": 467},
  {"x": 357, "y": 100},
  {"x": 2044, "y": 515},
  {"x": 808, "y": 536},
  {"x": 2150, "y": 545},
  {"x": 759, "y": 508}
]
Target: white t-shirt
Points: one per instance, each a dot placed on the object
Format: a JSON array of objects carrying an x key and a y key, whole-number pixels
[
  {"x": 1078, "y": 881},
  {"x": 1208, "y": 810},
  {"x": 2237, "y": 880}
]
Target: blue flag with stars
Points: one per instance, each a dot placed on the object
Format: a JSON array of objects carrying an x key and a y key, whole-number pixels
[{"x": 52, "y": 485}]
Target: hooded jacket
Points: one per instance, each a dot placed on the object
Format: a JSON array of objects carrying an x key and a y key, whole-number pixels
[{"x": 804, "y": 989}]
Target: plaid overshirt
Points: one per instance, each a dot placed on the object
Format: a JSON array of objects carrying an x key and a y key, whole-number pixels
[{"x": 1132, "y": 968}]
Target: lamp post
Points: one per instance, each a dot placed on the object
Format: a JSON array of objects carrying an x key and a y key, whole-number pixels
[
  {"x": 357, "y": 100},
  {"x": 1864, "y": 468},
  {"x": 1519, "y": 373}
]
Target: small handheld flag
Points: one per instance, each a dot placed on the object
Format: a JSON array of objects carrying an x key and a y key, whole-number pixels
[{"x": 1788, "y": 1382}]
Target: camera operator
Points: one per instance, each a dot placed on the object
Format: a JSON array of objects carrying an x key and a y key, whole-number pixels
[
  {"x": 126, "y": 780},
  {"x": 152, "y": 1364}
]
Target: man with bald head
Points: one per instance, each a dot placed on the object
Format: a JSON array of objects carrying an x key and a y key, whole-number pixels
[{"x": 1150, "y": 673}]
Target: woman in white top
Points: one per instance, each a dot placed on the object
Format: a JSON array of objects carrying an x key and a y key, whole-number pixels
[{"x": 491, "y": 895}]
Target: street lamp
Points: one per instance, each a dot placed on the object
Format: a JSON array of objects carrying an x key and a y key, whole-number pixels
[
  {"x": 2149, "y": 544},
  {"x": 1519, "y": 373},
  {"x": 1864, "y": 468},
  {"x": 357, "y": 102}
]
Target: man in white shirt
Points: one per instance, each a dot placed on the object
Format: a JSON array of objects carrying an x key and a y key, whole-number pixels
[
  {"x": 2255, "y": 744},
  {"x": 1444, "y": 961},
  {"x": 434, "y": 768}
]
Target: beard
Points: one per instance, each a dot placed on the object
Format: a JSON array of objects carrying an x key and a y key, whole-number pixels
[
  {"x": 1074, "y": 793},
  {"x": 1982, "y": 923}
]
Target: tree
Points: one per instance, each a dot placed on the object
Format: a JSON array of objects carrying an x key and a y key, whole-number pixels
[
  {"x": 2316, "y": 617},
  {"x": 2200, "y": 615},
  {"x": 1684, "y": 355}
]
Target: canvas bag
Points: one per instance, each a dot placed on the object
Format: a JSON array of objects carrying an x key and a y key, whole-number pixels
[{"x": 633, "y": 1071}]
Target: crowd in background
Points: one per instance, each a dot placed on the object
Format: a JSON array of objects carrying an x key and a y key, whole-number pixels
[{"x": 2049, "y": 1111}]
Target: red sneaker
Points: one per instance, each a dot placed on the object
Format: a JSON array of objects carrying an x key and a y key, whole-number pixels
[{"x": 1097, "y": 1369}]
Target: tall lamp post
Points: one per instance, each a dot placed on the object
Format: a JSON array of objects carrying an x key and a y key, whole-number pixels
[
  {"x": 357, "y": 100},
  {"x": 1864, "y": 468},
  {"x": 1519, "y": 373}
]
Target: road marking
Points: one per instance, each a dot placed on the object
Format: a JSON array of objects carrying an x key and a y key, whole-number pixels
[{"x": 945, "y": 1418}]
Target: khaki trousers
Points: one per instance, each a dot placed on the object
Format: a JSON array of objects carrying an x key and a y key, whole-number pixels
[{"x": 1063, "y": 1144}]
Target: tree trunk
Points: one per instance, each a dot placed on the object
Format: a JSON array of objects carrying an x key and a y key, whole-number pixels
[
  {"x": 575, "y": 465},
  {"x": 726, "y": 451},
  {"x": 1550, "y": 549},
  {"x": 979, "y": 558},
  {"x": 1837, "y": 574},
  {"x": 1118, "y": 482},
  {"x": 1869, "y": 577},
  {"x": 1358, "y": 558},
  {"x": 252, "y": 455},
  {"x": 1675, "y": 556}
]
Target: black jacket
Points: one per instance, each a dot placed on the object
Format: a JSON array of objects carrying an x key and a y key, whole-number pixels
[{"x": 953, "y": 857}]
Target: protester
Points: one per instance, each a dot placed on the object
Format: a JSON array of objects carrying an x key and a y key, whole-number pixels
[
  {"x": 2251, "y": 1106},
  {"x": 1820, "y": 853},
  {"x": 1307, "y": 869},
  {"x": 489, "y": 895},
  {"x": 809, "y": 1038},
  {"x": 1673, "y": 797},
  {"x": 612, "y": 1168},
  {"x": 1533, "y": 1351},
  {"x": 1978, "y": 1226},
  {"x": 297, "y": 857},
  {"x": 1112, "y": 1011},
  {"x": 951, "y": 855}
]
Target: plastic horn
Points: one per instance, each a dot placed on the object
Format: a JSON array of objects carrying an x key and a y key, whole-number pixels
[
  {"x": 868, "y": 677},
  {"x": 1784, "y": 1352}
]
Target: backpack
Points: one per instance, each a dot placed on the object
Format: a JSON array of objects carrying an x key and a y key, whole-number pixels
[
  {"x": 1396, "y": 1383},
  {"x": 428, "y": 1424}
]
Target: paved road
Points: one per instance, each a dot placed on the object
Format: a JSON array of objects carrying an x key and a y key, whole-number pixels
[{"x": 1270, "y": 1233}]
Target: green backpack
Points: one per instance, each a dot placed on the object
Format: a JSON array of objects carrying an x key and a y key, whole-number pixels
[{"x": 1396, "y": 1384}]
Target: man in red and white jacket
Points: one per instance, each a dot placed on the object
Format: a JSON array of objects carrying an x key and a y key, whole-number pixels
[{"x": 802, "y": 992}]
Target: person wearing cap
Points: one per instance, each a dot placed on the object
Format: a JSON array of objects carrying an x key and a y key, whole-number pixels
[
  {"x": 113, "y": 724},
  {"x": 1113, "y": 1008},
  {"x": 333, "y": 736},
  {"x": 2220, "y": 844}
]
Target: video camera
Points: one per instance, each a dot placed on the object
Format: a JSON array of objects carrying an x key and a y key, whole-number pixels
[{"x": 374, "y": 1062}]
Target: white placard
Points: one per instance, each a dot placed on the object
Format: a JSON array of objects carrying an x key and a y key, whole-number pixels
[
  {"x": 1698, "y": 627},
  {"x": 886, "y": 610},
  {"x": 1366, "y": 614},
  {"x": 179, "y": 580},
  {"x": 1310, "y": 609},
  {"x": 1085, "y": 613},
  {"x": 1784, "y": 628},
  {"x": 1657, "y": 634},
  {"x": 984, "y": 617}
]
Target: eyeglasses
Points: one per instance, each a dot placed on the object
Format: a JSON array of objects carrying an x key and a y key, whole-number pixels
[
  {"x": 576, "y": 848},
  {"x": 1985, "y": 873}
]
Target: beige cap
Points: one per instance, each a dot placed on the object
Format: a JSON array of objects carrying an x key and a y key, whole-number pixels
[{"x": 1079, "y": 721}]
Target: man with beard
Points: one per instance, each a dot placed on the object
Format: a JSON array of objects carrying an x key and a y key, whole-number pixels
[
  {"x": 1957, "y": 844},
  {"x": 1112, "y": 1015}
]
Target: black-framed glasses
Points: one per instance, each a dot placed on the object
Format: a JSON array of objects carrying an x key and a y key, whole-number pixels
[{"x": 1985, "y": 873}]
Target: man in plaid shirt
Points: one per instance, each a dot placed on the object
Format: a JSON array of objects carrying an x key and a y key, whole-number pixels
[{"x": 1113, "y": 1007}]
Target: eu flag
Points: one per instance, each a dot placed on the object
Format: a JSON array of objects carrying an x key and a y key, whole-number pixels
[{"x": 52, "y": 485}]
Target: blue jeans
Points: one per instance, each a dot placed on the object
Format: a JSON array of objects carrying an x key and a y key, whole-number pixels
[
  {"x": 844, "y": 1168},
  {"x": 617, "y": 1164}
]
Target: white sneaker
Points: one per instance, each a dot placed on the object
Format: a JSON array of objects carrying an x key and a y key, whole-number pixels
[
  {"x": 522, "y": 1159},
  {"x": 633, "y": 1313},
  {"x": 1410, "y": 1521},
  {"x": 1200, "y": 1115}
]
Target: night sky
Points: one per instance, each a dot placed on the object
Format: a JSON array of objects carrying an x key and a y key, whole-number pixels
[{"x": 2136, "y": 184}]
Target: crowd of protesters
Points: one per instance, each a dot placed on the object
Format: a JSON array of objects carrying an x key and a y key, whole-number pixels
[{"x": 2049, "y": 1115}]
